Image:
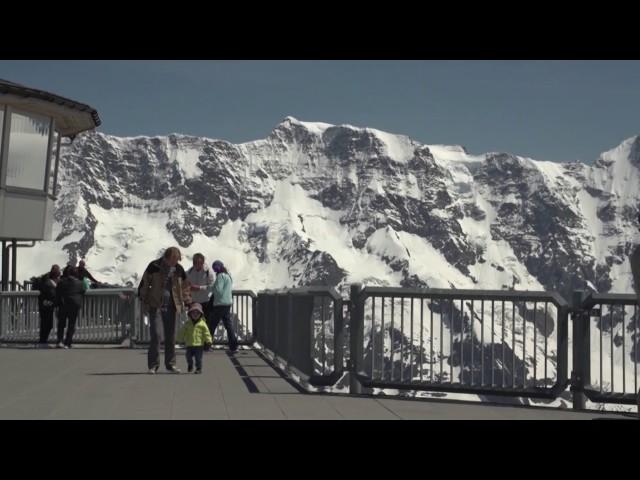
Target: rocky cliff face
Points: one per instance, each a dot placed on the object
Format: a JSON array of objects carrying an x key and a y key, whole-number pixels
[{"x": 321, "y": 204}]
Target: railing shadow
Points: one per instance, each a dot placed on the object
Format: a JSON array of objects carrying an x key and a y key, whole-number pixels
[
  {"x": 247, "y": 378},
  {"x": 109, "y": 374}
]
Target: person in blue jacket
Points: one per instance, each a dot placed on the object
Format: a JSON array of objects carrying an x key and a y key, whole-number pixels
[{"x": 221, "y": 302}]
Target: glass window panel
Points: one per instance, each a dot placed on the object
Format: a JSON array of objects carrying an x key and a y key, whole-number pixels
[{"x": 28, "y": 143}]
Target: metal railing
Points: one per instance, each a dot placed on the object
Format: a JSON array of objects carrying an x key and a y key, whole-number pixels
[
  {"x": 19, "y": 317},
  {"x": 462, "y": 341},
  {"x": 106, "y": 316},
  {"x": 606, "y": 348},
  {"x": 303, "y": 328},
  {"x": 242, "y": 320},
  {"x": 458, "y": 341},
  {"x": 14, "y": 286}
]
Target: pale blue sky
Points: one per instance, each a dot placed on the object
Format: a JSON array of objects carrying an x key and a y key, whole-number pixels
[{"x": 548, "y": 110}]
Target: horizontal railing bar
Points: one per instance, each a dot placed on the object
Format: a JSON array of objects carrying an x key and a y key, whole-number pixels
[{"x": 497, "y": 295}]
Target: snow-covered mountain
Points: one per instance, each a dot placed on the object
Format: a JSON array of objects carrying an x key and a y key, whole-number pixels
[{"x": 317, "y": 204}]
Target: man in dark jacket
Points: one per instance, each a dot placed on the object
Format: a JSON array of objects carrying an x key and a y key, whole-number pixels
[
  {"x": 165, "y": 292},
  {"x": 84, "y": 273},
  {"x": 66, "y": 268},
  {"x": 46, "y": 285},
  {"x": 69, "y": 293}
]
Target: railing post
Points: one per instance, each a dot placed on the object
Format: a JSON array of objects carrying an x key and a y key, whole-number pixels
[
  {"x": 289, "y": 329},
  {"x": 5, "y": 266},
  {"x": 356, "y": 338},
  {"x": 563, "y": 348},
  {"x": 135, "y": 317},
  {"x": 14, "y": 265},
  {"x": 276, "y": 318},
  {"x": 1, "y": 316},
  {"x": 338, "y": 336},
  {"x": 581, "y": 342},
  {"x": 254, "y": 319}
]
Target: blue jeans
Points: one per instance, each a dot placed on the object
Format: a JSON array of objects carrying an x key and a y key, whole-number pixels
[{"x": 197, "y": 353}]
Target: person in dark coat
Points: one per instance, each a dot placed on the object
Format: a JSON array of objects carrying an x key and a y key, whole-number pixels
[
  {"x": 84, "y": 273},
  {"x": 46, "y": 284},
  {"x": 69, "y": 293},
  {"x": 65, "y": 270}
]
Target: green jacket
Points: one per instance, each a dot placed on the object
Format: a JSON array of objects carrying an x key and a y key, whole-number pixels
[
  {"x": 194, "y": 334},
  {"x": 222, "y": 289}
]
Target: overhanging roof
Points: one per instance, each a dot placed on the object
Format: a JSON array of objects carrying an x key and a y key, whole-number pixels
[{"x": 71, "y": 117}]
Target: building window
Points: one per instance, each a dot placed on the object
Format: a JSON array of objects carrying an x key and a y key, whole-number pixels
[{"x": 28, "y": 145}]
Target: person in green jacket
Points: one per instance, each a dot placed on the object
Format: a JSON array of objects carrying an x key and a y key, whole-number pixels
[
  {"x": 195, "y": 334},
  {"x": 221, "y": 302}
]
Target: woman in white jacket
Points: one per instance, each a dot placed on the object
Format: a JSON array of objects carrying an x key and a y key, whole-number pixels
[{"x": 201, "y": 278}]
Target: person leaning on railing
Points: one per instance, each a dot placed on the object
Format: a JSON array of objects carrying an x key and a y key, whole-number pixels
[
  {"x": 165, "y": 293},
  {"x": 221, "y": 302},
  {"x": 46, "y": 285},
  {"x": 69, "y": 297},
  {"x": 84, "y": 273}
]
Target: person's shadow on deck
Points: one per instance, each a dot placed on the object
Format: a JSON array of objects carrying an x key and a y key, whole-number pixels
[
  {"x": 107, "y": 374},
  {"x": 248, "y": 379}
]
